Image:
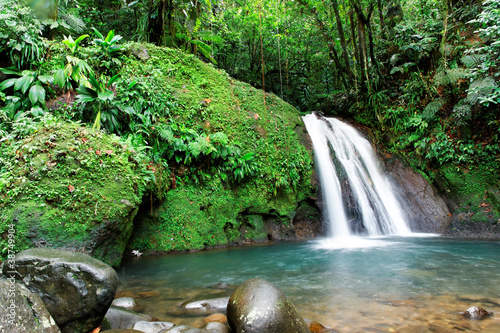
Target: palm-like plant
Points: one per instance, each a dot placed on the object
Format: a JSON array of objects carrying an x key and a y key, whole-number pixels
[{"x": 101, "y": 95}]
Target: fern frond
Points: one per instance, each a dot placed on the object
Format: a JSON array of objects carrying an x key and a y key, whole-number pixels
[
  {"x": 76, "y": 23},
  {"x": 450, "y": 76},
  {"x": 480, "y": 88},
  {"x": 461, "y": 113},
  {"x": 473, "y": 60},
  {"x": 433, "y": 107}
]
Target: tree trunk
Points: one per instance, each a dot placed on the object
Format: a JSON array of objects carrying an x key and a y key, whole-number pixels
[
  {"x": 381, "y": 17},
  {"x": 340, "y": 30}
]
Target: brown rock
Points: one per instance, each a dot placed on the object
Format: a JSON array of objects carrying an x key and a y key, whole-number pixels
[
  {"x": 476, "y": 312},
  {"x": 316, "y": 327},
  {"x": 216, "y": 318}
]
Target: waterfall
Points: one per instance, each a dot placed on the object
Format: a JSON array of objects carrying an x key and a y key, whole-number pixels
[{"x": 346, "y": 164}]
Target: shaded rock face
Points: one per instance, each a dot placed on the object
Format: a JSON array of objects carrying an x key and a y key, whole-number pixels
[
  {"x": 76, "y": 288},
  {"x": 22, "y": 311},
  {"x": 258, "y": 306},
  {"x": 426, "y": 210}
]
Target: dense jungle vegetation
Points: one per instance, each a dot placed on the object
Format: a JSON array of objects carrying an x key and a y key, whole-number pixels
[{"x": 421, "y": 75}]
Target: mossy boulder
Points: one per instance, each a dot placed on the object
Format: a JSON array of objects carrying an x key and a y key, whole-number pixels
[
  {"x": 258, "y": 306},
  {"x": 67, "y": 186},
  {"x": 209, "y": 209}
]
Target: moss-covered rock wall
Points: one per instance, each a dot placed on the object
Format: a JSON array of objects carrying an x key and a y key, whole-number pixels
[{"x": 68, "y": 186}]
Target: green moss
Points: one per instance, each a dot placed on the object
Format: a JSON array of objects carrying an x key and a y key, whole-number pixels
[
  {"x": 475, "y": 191},
  {"x": 65, "y": 184},
  {"x": 208, "y": 211},
  {"x": 63, "y": 194}
]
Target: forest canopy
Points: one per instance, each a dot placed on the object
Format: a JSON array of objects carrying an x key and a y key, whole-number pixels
[{"x": 423, "y": 75}]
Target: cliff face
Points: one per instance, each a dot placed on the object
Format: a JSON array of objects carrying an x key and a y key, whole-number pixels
[{"x": 457, "y": 204}]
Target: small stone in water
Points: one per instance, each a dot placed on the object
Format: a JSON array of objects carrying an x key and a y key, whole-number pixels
[
  {"x": 216, "y": 318},
  {"x": 476, "y": 312}
]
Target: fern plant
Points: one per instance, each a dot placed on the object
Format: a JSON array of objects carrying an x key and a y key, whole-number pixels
[
  {"x": 450, "y": 76},
  {"x": 433, "y": 107},
  {"x": 20, "y": 35}
]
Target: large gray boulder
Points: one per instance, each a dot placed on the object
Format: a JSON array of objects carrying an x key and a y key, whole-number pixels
[
  {"x": 22, "y": 311},
  {"x": 258, "y": 306},
  {"x": 76, "y": 288}
]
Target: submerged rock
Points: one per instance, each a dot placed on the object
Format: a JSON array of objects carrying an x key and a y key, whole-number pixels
[
  {"x": 76, "y": 288},
  {"x": 217, "y": 328},
  {"x": 121, "y": 331},
  {"x": 124, "y": 302},
  {"x": 152, "y": 326},
  {"x": 476, "y": 312},
  {"x": 216, "y": 318},
  {"x": 258, "y": 306},
  {"x": 185, "y": 329},
  {"x": 23, "y": 311},
  {"x": 205, "y": 304},
  {"x": 121, "y": 318}
]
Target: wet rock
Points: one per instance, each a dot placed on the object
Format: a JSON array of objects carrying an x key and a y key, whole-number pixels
[
  {"x": 217, "y": 328},
  {"x": 258, "y": 306},
  {"x": 121, "y": 331},
  {"x": 184, "y": 329},
  {"x": 76, "y": 288},
  {"x": 426, "y": 209},
  {"x": 476, "y": 312},
  {"x": 202, "y": 305},
  {"x": 216, "y": 318},
  {"x": 124, "y": 302},
  {"x": 218, "y": 304},
  {"x": 316, "y": 327},
  {"x": 121, "y": 318},
  {"x": 22, "y": 311},
  {"x": 152, "y": 326}
]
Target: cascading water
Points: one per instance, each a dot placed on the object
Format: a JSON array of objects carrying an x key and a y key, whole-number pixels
[{"x": 346, "y": 164}]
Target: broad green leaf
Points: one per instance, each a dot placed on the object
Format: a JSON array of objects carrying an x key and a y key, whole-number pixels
[
  {"x": 23, "y": 83},
  {"x": 60, "y": 78},
  {"x": 110, "y": 36},
  {"x": 93, "y": 81},
  {"x": 37, "y": 93},
  {"x": 98, "y": 33},
  {"x": 86, "y": 94},
  {"x": 10, "y": 70},
  {"x": 106, "y": 95},
  {"x": 113, "y": 80},
  {"x": 37, "y": 111},
  {"x": 46, "y": 78},
  {"x": 7, "y": 83},
  {"x": 79, "y": 39}
]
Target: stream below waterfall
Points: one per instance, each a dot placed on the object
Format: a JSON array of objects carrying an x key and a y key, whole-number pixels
[{"x": 383, "y": 284}]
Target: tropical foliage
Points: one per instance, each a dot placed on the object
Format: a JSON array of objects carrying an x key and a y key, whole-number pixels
[{"x": 423, "y": 75}]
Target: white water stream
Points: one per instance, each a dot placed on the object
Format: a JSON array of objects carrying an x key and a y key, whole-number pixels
[{"x": 346, "y": 163}]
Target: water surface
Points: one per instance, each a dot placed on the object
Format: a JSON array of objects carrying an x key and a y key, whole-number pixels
[{"x": 386, "y": 284}]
